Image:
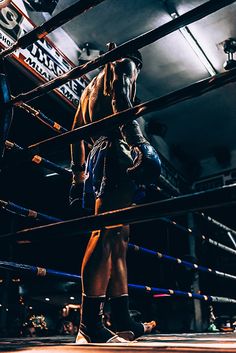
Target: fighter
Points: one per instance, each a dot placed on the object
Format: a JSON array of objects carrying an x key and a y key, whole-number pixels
[{"x": 105, "y": 180}]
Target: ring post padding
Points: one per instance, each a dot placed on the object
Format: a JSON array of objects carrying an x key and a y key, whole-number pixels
[{"x": 6, "y": 113}]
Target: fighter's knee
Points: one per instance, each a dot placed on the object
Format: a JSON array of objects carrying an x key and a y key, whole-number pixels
[{"x": 119, "y": 248}]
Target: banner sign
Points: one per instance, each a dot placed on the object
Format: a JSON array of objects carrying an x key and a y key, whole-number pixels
[{"x": 42, "y": 58}]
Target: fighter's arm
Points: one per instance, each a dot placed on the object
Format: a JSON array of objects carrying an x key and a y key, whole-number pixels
[
  {"x": 123, "y": 94},
  {"x": 123, "y": 84},
  {"x": 147, "y": 166}
]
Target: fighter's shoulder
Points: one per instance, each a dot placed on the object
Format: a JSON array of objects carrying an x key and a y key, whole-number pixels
[{"x": 124, "y": 66}]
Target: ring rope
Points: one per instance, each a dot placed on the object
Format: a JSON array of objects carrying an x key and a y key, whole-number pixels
[
  {"x": 178, "y": 261},
  {"x": 39, "y": 271},
  {"x": 26, "y": 212},
  {"x": 135, "y": 43},
  {"x": 45, "y": 119},
  {"x": 219, "y": 245},
  {"x": 56, "y": 21},
  {"x": 180, "y": 293},
  {"x": 11, "y": 145},
  {"x": 109, "y": 122},
  {"x": 42, "y": 117},
  {"x": 36, "y": 159},
  {"x": 202, "y": 236},
  {"x": 220, "y": 196},
  {"x": 217, "y": 224},
  {"x": 201, "y": 214}
]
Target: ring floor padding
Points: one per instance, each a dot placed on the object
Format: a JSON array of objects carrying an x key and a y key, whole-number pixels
[{"x": 166, "y": 343}]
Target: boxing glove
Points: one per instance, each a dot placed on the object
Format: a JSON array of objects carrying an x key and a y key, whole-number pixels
[{"x": 147, "y": 165}]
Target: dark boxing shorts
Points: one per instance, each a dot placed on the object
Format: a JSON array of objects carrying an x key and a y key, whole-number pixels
[{"x": 106, "y": 167}]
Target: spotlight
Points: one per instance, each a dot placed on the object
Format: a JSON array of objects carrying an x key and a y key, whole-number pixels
[
  {"x": 229, "y": 46},
  {"x": 42, "y": 5}
]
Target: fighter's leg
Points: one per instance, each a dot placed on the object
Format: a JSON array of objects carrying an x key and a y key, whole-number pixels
[
  {"x": 118, "y": 286},
  {"x": 96, "y": 272},
  {"x": 116, "y": 239}
]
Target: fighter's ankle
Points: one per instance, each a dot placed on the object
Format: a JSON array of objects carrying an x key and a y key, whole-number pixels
[
  {"x": 137, "y": 328},
  {"x": 94, "y": 334}
]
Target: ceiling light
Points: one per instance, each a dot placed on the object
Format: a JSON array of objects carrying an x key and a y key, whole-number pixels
[
  {"x": 190, "y": 39},
  {"x": 232, "y": 239},
  {"x": 47, "y": 299},
  {"x": 229, "y": 46},
  {"x": 72, "y": 298},
  {"x": 198, "y": 50},
  {"x": 51, "y": 174}
]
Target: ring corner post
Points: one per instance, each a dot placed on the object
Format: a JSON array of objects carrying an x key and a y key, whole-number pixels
[
  {"x": 197, "y": 324},
  {"x": 6, "y": 113}
]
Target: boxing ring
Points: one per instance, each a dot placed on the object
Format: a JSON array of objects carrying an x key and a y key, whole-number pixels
[{"x": 48, "y": 227}]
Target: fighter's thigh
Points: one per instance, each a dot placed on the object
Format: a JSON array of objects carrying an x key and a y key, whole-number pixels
[{"x": 115, "y": 199}]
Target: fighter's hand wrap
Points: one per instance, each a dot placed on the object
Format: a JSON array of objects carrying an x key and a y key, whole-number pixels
[
  {"x": 77, "y": 188},
  {"x": 147, "y": 165}
]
